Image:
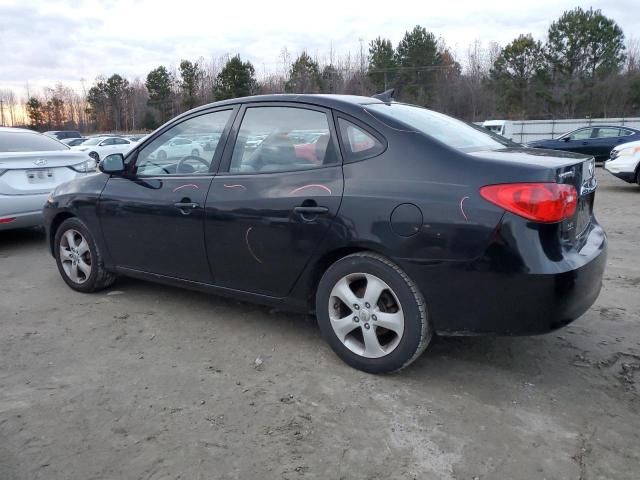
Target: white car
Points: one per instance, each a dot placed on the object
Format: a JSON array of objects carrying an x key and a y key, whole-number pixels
[
  {"x": 31, "y": 166},
  {"x": 99, "y": 147},
  {"x": 624, "y": 162},
  {"x": 178, "y": 147}
]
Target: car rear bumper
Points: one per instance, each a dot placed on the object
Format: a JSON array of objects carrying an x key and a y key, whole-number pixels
[
  {"x": 25, "y": 209},
  {"x": 479, "y": 298}
]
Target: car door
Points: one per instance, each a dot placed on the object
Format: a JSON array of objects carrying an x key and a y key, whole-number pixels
[
  {"x": 275, "y": 197},
  {"x": 579, "y": 141},
  {"x": 152, "y": 218},
  {"x": 605, "y": 139}
]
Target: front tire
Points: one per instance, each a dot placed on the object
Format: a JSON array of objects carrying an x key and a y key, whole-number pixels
[
  {"x": 79, "y": 258},
  {"x": 372, "y": 314}
]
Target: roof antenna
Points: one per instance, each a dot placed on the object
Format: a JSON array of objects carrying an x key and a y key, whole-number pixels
[{"x": 386, "y": 96}]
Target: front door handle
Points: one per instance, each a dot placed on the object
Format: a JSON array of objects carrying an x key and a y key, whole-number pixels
[{"x": 310, "y": 210}]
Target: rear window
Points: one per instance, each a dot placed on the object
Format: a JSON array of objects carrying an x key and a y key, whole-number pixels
[
  {"x": 28, "y": 142},
  {"x": 448, "y": 130}
]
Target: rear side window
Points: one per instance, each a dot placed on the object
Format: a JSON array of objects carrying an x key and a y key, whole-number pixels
[
  {"x": 281, "y": 139},
  {"x": 608, "y": 132},
  {"x": 358, "y": 143},
  {"x": 28, "y": 142}
]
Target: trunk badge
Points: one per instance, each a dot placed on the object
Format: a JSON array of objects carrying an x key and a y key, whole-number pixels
[{"x": 40, "y": 162}]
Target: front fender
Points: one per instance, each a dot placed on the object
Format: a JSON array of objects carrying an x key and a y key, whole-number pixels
[{"x": 76, "y": 198}]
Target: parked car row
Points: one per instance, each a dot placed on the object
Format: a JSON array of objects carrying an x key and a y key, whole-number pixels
[
  {"x": 596, "y": 141},
  {"x": 99, "y": 147},
  {"x": 617, "y": 146}
]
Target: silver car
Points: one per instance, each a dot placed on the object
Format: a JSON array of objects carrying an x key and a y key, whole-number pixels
[{"x": 31, "y": 166}]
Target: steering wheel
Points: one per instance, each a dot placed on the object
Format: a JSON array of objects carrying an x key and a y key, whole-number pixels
[{"x": 183, "y": 160}]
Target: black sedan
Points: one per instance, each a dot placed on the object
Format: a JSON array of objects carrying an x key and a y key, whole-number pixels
[
  {"x": 390, "y": 221},
  {"x": 597, "y": 141}
]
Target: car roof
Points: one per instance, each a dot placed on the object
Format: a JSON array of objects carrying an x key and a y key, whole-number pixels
[
  {"x": 598, "y": 125},
  {"x": 323, "y": 100}
]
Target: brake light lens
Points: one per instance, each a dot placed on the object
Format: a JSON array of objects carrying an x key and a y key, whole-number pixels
[
  {"x": 540, "y": 202},
  {"x": 7, "y": 220}
]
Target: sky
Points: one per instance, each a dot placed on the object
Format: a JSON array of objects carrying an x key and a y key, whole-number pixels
[{"x": 44, "y": 42}]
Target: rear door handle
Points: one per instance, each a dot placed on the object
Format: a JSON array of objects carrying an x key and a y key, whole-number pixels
[
  {"x": 310, "y": 210},
  {"x": 186, "y": 205}
]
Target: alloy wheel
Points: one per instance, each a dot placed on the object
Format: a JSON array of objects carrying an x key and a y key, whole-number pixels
[
  {"x": 75, "y": 256},
  {"x": 365, "y": 315}
]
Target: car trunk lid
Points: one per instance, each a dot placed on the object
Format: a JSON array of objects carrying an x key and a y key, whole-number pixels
[{"x": 24, "y": 173}]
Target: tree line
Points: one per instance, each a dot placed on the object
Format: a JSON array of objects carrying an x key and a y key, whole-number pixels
[{"x": 583, "y": 68}]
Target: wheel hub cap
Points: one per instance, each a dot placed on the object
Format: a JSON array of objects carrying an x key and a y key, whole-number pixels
[
  {"x": 365, "y": 315},
  {"x": 75, "y": 256}
]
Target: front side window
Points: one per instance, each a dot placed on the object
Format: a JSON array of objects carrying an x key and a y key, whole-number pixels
[
  {"x": 172, "y": 153},
  {"x": 107, "y": 142},
  {"x": 583, "y": 134},
  {"x": 279, "y": 139}
]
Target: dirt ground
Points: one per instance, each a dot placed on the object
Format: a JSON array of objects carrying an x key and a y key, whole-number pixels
[{"x": 149, "y": 382}]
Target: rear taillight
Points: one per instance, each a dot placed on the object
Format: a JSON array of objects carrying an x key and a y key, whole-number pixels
[
  {"x": 7, "y": 220},
  {"x": 540, "y": 202}
]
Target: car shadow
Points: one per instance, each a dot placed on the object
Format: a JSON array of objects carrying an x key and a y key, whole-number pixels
[
  {"x": 23, "y": 238},
  {"x": 518, "y": 356},
  {"x": 622, "y": 187}
]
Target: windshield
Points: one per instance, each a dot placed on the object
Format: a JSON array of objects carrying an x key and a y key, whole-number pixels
[
  {"x": 28, "y": 142},
  {"x": 92, "y": 141},
  {"x": 448, "y": 130}
]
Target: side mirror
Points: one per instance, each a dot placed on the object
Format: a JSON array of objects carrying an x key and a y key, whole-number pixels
[
  {"x": 112, "y": 164},
  {"x": 566, "y": 139}
]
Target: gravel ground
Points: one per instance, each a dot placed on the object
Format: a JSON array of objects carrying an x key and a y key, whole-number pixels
[{"x": 149, "y": 382}]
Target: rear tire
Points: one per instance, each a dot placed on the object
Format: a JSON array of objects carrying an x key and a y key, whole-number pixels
[
  {"x": 79, "y": 258},
  {"x": 372, "y": 314}
]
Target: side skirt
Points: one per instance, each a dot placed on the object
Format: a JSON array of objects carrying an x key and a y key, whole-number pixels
[{"x": 285, "y": 303}]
